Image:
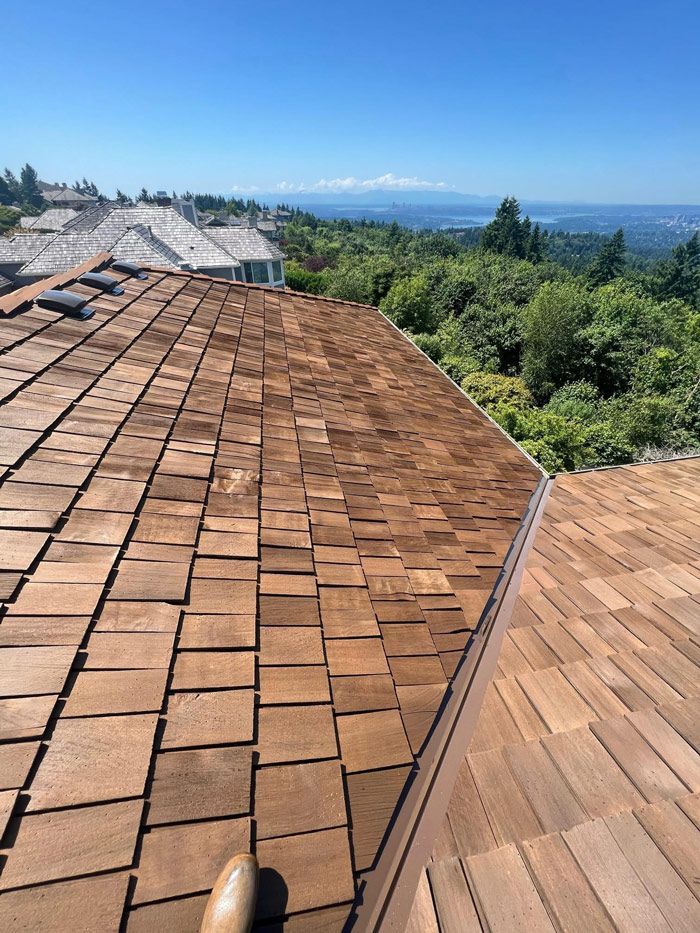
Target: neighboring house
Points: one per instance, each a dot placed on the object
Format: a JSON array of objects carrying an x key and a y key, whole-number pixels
[
  {"x": 20, "y": 249},
  {"x": 164, "y": 233},
  {"x": 222, "y": 219},
  {"x": 53, "y": 218},
  {"x": 267, "y": 222},
  {"x": 67, "y": 197},
  {"x": 269, "y": 229},
  {"x": 262, "y": 261},
  {"x": 5, "y": 285},
  {"x": 160, "y": 229}
]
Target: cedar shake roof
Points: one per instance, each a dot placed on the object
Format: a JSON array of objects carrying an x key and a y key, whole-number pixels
[
  {"x": 578, "y": 803},
  {"x": 245, "y": 243},
  {"x": 246, "y": 535},
  {"x": 61, "y": 195},
  {"x": 103, "y": 227},
  {"x": 23, "y": 247},
  {"x": 54, "y": 218}
]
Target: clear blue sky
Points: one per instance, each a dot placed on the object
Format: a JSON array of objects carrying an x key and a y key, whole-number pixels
[{"x": 595, "y": 101}]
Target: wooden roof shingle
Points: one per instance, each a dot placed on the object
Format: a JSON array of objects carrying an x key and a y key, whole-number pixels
[{"x": 577, "y": 802}]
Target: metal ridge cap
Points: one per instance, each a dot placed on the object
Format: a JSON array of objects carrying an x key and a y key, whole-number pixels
[{"x": 386, "y": 899}]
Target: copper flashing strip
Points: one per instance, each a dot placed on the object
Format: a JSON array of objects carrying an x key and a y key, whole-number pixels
[
  {"x": 14, "y": 300},
  {"x": 385, "y": 902}
]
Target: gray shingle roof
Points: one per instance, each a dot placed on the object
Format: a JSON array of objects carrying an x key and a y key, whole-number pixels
[
  {"x": 24, "y": 246},
  {"x": 60, "y": 252},
  {"x": 193, "y": 245},
  {"x": 68, "y": 194},
  {"x": 54, "y": 218},
  {"x": 245, "y": 243},
  {"x": 87, "y": 220},
  {"x": 139, "y": 245},
  {"x": 162, "y": 231}
]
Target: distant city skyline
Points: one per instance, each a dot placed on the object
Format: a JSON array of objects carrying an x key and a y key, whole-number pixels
[{"x": 594, "y": 102}]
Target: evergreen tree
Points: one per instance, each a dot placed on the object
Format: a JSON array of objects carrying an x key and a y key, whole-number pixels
[
  {"x": 13, "y": 185},
  {"x": 680, "y": 278},
  {"x": 29, "y": 187},
  {"x": 536, "y": 245},
  {"x": 506, "y": 233},
  {"x": 609, "y": 264},
  {"x": 121, "y": 197},
  {"x": 144, "y": 196},
  {"x": 6, "y": 196}
]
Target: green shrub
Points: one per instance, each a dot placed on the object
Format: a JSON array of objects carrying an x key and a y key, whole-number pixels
[
  {"x": 301, "y": 280},
  {"x": 490, "y": 390},
  {"x": 408, "y": 304}
]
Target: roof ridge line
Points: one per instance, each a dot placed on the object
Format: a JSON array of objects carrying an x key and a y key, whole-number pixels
[{"x": 14, "y": 300}]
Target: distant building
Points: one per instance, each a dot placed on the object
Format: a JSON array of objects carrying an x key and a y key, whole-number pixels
[
  {"x": 67, "y": 197},
  {"x": 262, "y": 261},
  {"x": 168, "y": 236},
  {"x": 54, "y": 218},
  {"x": 18, "y": 250}
]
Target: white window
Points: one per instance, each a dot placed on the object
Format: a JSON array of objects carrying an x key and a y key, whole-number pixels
[{"x": 256, "y": 272}]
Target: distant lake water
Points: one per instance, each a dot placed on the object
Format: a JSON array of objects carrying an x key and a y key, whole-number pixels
[
  {"x": 601, "y": 218},
  {"x": 422, "y": 215}
]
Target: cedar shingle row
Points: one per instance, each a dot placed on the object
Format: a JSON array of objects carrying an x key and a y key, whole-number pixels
[{"x": 579, "y": 794}]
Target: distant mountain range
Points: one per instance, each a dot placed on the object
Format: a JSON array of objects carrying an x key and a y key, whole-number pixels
[
  {"x": 378, "y": 197},
  {"x": 383, "y": 197}
]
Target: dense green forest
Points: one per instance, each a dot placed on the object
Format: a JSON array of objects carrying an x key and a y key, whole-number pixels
[{"x": 585, "y": 358}]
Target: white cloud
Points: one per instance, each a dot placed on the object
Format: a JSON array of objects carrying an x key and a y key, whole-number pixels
[
  {"x": 352, "y": 185},
  {"x": 245, "y": 189}
]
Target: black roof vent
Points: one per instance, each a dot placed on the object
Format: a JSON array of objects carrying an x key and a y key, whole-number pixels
[
  {"x": 131, "y": 268},
  {"x": 68, "y": 303},
  {"x": 105, "y": 283}
]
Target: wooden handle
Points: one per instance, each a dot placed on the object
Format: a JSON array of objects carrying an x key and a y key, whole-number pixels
[{"x": 231, "y": 904}]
